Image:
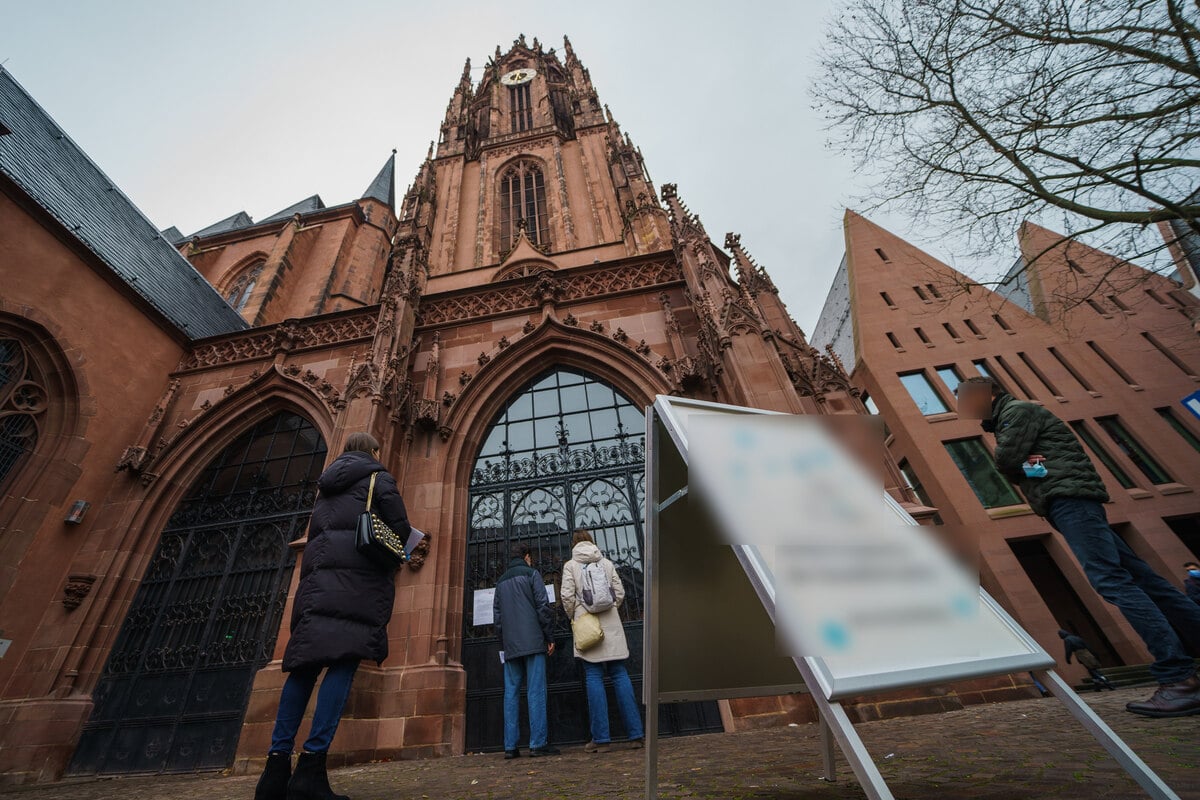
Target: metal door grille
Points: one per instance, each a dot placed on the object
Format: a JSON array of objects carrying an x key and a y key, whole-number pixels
[
  {"x": 567, "y": 452},
  {"x": 205, "y": 617}
]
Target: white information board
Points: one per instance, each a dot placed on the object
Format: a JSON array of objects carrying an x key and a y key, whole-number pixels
[
  {"x": 998, "y": 644},
  {"x": 696, "y": 559}
]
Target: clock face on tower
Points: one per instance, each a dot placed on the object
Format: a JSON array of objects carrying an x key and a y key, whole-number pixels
[{"x": 517, "y": 77}]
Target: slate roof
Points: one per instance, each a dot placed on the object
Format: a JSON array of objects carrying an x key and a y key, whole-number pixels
[
  {"x": 305, "y": 206},
  {"x": 173, "y": 235},
  {"x": 57, "y": 175},
  {"x": 383, "y": 188},
  {"x": 231, "y": 223}
]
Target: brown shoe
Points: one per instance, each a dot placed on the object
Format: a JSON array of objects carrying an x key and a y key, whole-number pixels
[
  {"x": 1171, "y": 700},
  {"x": 592, "y": 747},
  {"x": 637, "y": 744}
]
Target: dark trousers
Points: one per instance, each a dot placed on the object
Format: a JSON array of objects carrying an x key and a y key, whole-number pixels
[
  {"x": 293, "y": 701},
  {"x": 1147, "y": 600}
]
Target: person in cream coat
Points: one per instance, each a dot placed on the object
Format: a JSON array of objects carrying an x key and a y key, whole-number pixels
[{"x": 610, "y": 654}]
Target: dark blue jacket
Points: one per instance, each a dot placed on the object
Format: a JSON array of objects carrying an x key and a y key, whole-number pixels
[
  {"x": 344, "y": 600},
  {"x": 523, "y": 616}
]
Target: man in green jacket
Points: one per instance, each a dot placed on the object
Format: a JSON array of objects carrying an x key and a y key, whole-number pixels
[{"x": 1069, "y": 494}]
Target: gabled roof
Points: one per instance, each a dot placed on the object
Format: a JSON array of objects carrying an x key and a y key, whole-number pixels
[
  {"x": 305, "y": 206},
  {"x": 231, "y": 223},
  {"x": 173, "y": 235},
  {"x": 59, "y": 177},
  {"x": 383, "y": 188}
]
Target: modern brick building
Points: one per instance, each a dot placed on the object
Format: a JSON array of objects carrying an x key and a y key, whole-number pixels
[
  {"x": 1103, "y": 344},
  {"x": 167, "y": 401}
]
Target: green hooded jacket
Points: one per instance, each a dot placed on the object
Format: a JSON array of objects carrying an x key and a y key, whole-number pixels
[{"x": 1023, "y": 429}]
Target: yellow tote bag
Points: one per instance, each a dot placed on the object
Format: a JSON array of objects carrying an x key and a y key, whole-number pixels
[{"x": 587, "y": 631}]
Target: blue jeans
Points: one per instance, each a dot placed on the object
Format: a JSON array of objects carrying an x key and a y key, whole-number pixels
[
  {"x": 532, "y": 670},
  {"x": 1149, "y": 602},
  {"x": 293, "y": 701},
  {"x": 598, "y": 700}
]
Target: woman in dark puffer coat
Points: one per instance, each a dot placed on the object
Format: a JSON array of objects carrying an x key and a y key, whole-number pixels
[{"x": 339, "y": 618}]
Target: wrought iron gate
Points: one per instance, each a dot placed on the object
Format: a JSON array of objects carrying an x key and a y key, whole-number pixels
[
  {"x": 567, "y": 452},
  {"x": 206, "y": 615}
]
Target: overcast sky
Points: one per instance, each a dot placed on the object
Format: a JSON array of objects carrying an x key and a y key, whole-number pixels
[{"x": 198, "y": 110}]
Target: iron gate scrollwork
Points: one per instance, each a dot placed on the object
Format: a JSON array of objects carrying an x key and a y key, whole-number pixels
[
  {"x": 567, "y": 452},
  {"x": 205, "y": 617}
]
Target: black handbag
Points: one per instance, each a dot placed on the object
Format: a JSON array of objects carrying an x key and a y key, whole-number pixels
[{"x": 375, "y": 540}]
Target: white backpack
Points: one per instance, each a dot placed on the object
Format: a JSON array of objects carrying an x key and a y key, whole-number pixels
[{"x": 595, "y": 592}]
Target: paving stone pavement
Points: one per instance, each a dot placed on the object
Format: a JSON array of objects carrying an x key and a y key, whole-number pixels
[{"x": 1020, "y": 750}]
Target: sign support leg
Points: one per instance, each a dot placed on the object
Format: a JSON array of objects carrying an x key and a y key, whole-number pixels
[
  {"x": 650, "y": 611},
  {"x": 1129, "y": 760},
  {"x": 828, "y": 754},
  {"x": 834, "y": 716}
]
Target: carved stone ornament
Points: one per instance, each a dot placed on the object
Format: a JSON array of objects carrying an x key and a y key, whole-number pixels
[
  {"x": 77, "y": 588},
  {"x": 416, "y": 559}
]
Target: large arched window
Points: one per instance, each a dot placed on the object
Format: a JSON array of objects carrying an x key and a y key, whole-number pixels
[
  {"x": 520, "y": 103},
  {"x": 567, "y": 452},
  {"x": 241, "y": 289},
  {"x": 523, "y": 197},
  {"x": 23, "y": 402}
]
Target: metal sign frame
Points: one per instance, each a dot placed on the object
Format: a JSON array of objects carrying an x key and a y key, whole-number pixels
[{"x": 664, "y": 432}]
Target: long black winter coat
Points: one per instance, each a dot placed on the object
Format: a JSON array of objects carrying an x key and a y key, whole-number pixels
[{"x": 344, "y": 601}]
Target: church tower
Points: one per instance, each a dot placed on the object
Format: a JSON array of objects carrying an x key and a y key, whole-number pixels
[
  {"x": 547, "y": 291},
  {"x": 500, "y": 326}
]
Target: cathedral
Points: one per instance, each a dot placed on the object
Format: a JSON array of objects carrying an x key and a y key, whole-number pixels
[{"x": 167, "y": 402}]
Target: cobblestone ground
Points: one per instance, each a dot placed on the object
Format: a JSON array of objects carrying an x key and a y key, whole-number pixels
[{"x": 1012, "y": 751}]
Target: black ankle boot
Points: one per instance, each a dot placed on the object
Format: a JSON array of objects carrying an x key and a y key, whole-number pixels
[
  {"x": 273, "y": 784},
  {"x": 310, "y": 781}
]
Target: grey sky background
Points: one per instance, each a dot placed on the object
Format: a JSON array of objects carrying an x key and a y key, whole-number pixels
[{"x": 199, "y": 110}]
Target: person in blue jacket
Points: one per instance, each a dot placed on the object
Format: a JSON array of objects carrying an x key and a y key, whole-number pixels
[{"x": 523, "y": 620}]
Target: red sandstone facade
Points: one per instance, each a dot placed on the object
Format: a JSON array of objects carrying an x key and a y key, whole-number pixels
[
  {"x": 416, "y": 323},
  {"x": 1103, "y": 344},
  {"x": 530, "y": 241}
]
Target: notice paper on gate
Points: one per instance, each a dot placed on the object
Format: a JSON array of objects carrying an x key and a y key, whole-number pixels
[
  {"x": 481, "y": 604},
  {"x": 852, "y": 581}
]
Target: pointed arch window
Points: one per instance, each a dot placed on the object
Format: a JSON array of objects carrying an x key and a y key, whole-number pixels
[
  {"x": 523, "y": 199},
  {"x": 241, "y": 289},
  {"x": 567, "y": 452},
  {"x": 520, "y": 105},
  {"x": 23, "y": 402}
]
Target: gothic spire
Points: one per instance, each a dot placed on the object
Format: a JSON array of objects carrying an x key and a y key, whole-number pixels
[
  {"x": 383, "y": 188},
  {"x": 750, "y": 275}
]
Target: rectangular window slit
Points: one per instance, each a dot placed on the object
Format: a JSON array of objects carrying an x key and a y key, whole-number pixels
[
  {"x": 1122, "y": 374},
  {"x": 1041, "y": 376},
  {"x": 1069, "y": 368},
  {"x": 1174, "y": 359},
  {"x": 1014, "y": 377}
]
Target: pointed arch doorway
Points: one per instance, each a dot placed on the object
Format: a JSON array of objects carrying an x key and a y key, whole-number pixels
[
  {"x": 566, "y": 452},
  {"x": 205, "y": 617}
]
